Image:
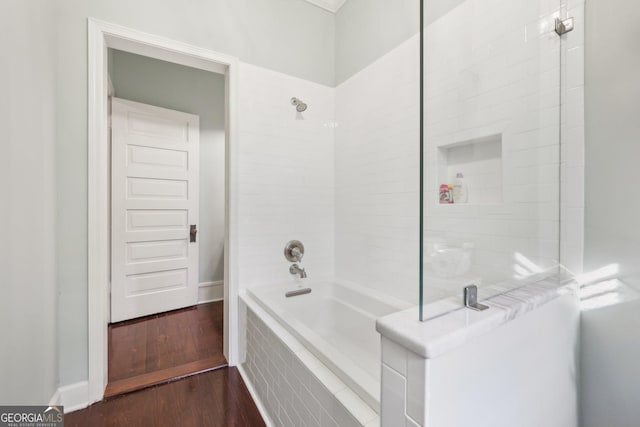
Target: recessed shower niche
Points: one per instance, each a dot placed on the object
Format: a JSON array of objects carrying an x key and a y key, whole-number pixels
[{"x": 479, "y": 160}]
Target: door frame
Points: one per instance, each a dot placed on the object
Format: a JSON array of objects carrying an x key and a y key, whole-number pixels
[{"x": 101, "y": 36}]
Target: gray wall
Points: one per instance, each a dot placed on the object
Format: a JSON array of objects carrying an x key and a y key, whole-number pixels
[
  {"x": 291, "y": 36},
  {"x": 176, "y": 87},
  {"x": 367, "y": 29},
  {"x": 611, "y": 335},
  {"x": 28, "y": 349}
]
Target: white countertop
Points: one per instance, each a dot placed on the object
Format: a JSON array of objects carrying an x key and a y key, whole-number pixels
[{"x": 438, "y": 335}]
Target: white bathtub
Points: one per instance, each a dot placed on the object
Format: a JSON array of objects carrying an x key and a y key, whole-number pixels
[{"x": 335, "y": 322}]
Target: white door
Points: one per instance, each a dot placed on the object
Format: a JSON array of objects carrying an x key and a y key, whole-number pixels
[{"x": 154, "y": 206}]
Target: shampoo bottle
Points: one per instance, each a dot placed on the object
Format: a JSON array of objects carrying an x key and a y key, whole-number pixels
[{"x": 460, "y": 193}]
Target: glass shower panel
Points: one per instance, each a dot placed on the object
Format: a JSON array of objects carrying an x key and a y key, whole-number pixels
[{"x": 491, "y": 147}]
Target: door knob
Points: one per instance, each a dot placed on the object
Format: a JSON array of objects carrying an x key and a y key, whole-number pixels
[{"x": 193, "y": 232}]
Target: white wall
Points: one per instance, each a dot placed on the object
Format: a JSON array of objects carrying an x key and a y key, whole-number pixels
[
  {"x": 286, "y": 181},
  {"x": 28, "y": 354},
  {"x": 291, "y": 36},
  {"x": 610, "y": 352},
  {"x": 181, "y": 88},
  {"x": 609, "y": 371},
  {"x": 612, "y": 132},
  {"x": 376, "y": 161}
]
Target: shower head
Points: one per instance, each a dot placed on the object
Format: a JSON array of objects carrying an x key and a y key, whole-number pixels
[{"x": 300, "y": 106}]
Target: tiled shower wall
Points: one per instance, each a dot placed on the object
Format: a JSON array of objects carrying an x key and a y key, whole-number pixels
[
  {"x": 572, "y": 174},
  {"x": 498, "y": 76},
  {"x": 377, "y": 161},
  {"x": 286, "y": 175}
]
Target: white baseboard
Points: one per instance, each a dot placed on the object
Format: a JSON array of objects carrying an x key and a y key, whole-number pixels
[
  {"x": 55, "y": 399},
  {"x": 210, "y": 291},
  {"x": 256, "y": 399},
  {"x": 73, "y": 396}
]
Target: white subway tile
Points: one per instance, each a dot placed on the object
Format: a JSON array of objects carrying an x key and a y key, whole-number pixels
[
  {"x": 416, "y": 387},
  {"x": 392, "y": 410},
  {"x": 292, "y": 392}
]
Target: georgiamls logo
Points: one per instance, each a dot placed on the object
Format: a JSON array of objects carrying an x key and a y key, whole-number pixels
[{"x": 31, "y": 416}]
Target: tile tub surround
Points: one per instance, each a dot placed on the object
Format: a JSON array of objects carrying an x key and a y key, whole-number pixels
[
  {"x": 293, "y": 387},
  {"x": 285, "y": 175},
  {"x": 451, "y": 370}
]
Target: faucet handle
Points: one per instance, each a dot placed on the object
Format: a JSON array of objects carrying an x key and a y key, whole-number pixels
[
  {"x": 294, "y": 251},
  {"x": 297, "y": 254}
]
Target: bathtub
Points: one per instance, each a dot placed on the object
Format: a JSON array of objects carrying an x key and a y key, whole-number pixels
[{"x": 337, "y": 324}]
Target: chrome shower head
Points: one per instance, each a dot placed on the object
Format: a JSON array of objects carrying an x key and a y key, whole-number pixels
[{"x": 300, "y": 106}]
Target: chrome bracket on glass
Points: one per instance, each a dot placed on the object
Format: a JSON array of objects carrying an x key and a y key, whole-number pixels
[
  {"x": 563, "y": 26},
  {"x": 471, "y": 298}
]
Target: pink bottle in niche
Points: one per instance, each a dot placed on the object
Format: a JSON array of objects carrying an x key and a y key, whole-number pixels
[{"x": 445, "y": 195}]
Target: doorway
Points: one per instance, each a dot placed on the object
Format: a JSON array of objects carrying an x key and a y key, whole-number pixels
[
  {"x": 102, "y": 37},
  {"x": 167, "y": 175}
]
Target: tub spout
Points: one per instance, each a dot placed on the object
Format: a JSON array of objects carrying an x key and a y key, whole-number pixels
[{"x": 295, "y": 269}]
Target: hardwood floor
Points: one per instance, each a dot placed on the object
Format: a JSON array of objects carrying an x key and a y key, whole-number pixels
[
  {"x": 158, "y": 348},
  {"x": 216, "y": 398}
]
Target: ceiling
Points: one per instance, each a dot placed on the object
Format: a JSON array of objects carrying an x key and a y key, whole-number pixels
[{"x": 330, "y": 5}]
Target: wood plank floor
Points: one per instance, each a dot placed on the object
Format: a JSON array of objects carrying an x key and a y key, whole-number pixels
[
  {"x": 154, "y": 349},
  {"x": 216, "y": 398}
]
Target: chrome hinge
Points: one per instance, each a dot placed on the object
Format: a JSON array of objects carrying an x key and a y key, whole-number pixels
[{"x": 563, "y": 26}]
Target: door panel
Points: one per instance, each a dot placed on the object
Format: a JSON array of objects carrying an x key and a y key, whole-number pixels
[
  {"x": 163, "y": 250},
  {"x": 150, "y": 283},
  {"x": 145, "y": 220},
  {"x": 155, "y": 161},
  {"x": 157, "y": 189},
  {"x": 155, "y": 126},
  {"x": 150, "y": 159}
]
